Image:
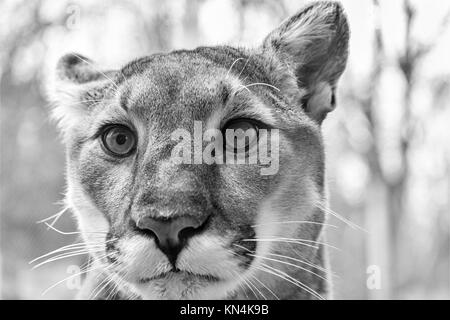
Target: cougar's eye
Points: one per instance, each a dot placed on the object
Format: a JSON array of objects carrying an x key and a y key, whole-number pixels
[
  {"x": 119, "y": 140},
  {"x": 241, "y": 133}
]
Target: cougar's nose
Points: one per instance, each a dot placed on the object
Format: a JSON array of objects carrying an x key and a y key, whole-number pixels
[{"x": 171, "y": 235}]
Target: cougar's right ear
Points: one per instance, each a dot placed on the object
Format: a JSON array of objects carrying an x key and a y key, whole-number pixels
[
  {"x": 75, "y": 87},
  {"x": 313, "y": 46}
]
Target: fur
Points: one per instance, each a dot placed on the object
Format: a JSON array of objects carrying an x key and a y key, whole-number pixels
[{"x": 288, "y": 83}]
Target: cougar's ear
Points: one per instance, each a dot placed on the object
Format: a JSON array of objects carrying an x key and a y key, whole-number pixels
[
  {"x": 313, "y": 44},
  {"x": 76, "y": 86}
]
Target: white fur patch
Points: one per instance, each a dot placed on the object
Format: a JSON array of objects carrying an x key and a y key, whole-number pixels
[
  {"x": 65, "y": 97},
  {"x": 91, "y": 222},
  {"x": 320, "y": 101}
]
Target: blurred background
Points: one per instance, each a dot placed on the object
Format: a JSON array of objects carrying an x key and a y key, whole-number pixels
[{"x": 388, "y": 141}]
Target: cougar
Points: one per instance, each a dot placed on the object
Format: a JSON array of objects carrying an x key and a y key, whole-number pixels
[{"x": 161, "y": 221}]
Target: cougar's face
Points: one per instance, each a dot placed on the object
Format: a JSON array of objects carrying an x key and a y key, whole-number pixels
[
  {"x": 189, "y": 229},
  {"x": 172, "y": 206}
]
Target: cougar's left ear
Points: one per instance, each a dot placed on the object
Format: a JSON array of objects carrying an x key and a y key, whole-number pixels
[
  {"x": 77, "y": 85},
  {"x": 313, "y": 44}
]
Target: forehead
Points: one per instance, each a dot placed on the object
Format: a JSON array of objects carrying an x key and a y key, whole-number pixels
[
  {"x": 186, "y": 85},
  {"x": 175, "y": 88}
]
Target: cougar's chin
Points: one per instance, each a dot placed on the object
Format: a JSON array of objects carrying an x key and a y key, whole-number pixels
[{"x": 182, "y": 285}]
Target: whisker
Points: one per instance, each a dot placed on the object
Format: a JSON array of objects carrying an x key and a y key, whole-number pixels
[
  {"x": 64, "y": 256},
  {"x": 123, "y": 76},
  {"x": 239, "y": 276},
  {"x": 99, "y": 71},
  {"x": 242, "y": 87},
  {"x": 116, "y": 286},
  {"x": 351, "y": 224},
  {"x": 71, "y": 233},
  {"x": 232, "y": 65},
  {"x": 55, "y": 217},
  {"x": 280, "y": 240},
  {"x": 312, "y": 241},
  {"x": 261, "y": 84},
  {"x": 62, "y": 249},
  {"x": 312, "y": 265},
  {"x": 96, "y": 290},
  {"x": 320, "y": 268},
  {"x": 285, "y": 276},
  {"x": 110, "y": 279},
  {"x": 116, "y": 87},
  {"x": 252, "y": 253},
  {"x": 297, "y": 241},
  {"x": 65, "y": 279},
  {"x": 293, "y": 222},
  {"x": 290, "y": 264},
  {"x": 73, "y": 246},
  {"x": 245, "y": 65},
  {"x": 119, "y": 281},
  {"x": 250, "y": 287},
  {"x": 112, "y": 289},
  {"x": 104, "y": 283},
  {"x": 241, "y": 284},
  {"x": 266, "y": 287},
  {"x": 256, "y": 288}
]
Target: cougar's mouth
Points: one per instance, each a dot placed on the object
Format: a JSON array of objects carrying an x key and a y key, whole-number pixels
[{"x": 180, "y": 275}]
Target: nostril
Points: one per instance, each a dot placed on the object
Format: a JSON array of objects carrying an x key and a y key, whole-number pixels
[
  {"x": 186, "y": 233},
  {"x": 142, "y": 229},
  {"x": 190, "y": 228}
]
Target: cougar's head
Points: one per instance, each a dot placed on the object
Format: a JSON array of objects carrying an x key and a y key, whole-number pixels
[{"x": 191, "y": 173}]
